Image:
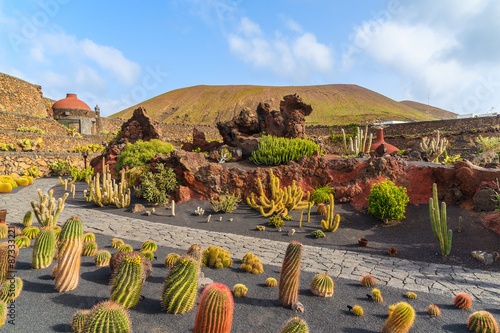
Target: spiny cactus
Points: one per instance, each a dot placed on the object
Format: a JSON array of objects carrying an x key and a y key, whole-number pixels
[
  {"x": 332, "y": 222},
  {"x": 251, "y": 264},
  {"x": 126, "y": 284},
  {"x": 295, "y": 325},
  {"x": 462, "y": 301},
  {"x": 28, "y": 219},
  {"x": 357, "y": 311},
  {"x": 116, "y": 243},
  {"x": 57, "y": 230},
  {"x": 22, "y": 241},
  {"x": 89, "y": 249},
  {"x": 433, "y": 310},
  {"x": 215, "y": 310},
  {"x": 195, "y": 251},
  {"x": 216, "y": 257},
  {"x": 358, "y": 145},
  {"x": 117, "y": 258},
  {"x": 322, "y": 285},
  {"x": 321, "y": 210},
  {"x": 11, "y": 289},
  {"x": 149, "y": 245},
  {"x": 438, "y": 222},
  {"x": 69, "y": 255},
  {"x": 8, "y": 258},
  {"x": 377, "y": 295},
  {"x": 482, "y": 322},
  {"x": 102, "y": 258},
  {"x": 125, "y": 248},
  {"x": 239, "y": 290},
  {"x": 47, "y": 210},
  {"x": 110, "y": 193},
  {"x": 31, "y": 232},
  {"x": 290, "y": 275},
  {"x": 367, "y": 281},
  {"x": 435, "y": 147},
  {"x": 44, "y": 249},
  {"x": 271, "y": 282},
  {"x": 170, "y": 259},
  {"x": 400, "y": 320},
  {"x": 78, "y": 321},
  {"x": 89, "y": 237},
  {"x": 3, "y": 313},
  {"x": 411, "y": 295},
  {"x": 4, "y": 230},
  {"x": 107, "y": 317},
  {"x": 181, "y": 286}
]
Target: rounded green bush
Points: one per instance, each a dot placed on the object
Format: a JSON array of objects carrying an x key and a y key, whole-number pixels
[
  {"x": 322, "y": 194},
  {"x": 387, "y": 201},
  {"x": 273, "y": 150},
  {"x": 141, "y": 152}
]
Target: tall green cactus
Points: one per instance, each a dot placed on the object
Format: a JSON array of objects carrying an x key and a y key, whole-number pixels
[
  {"x": 438, "y": 222},
  {"x": 295, "y": 325},
  {"x": 400, "y": 320},
  {"x": 330, "y": 224},
  {"x": 8, "y": 258},
  {"x": 180, "y": 287},
  {"x": 126, "y": 284},
  {"x": 107, "y": 317},
  {"x": 117, "y": 258},
  {"x": 46, "y": 209},
  {"x": 215, "y": 311},
  {"x": 44, "y": 248},
  {"x": 67, "y": 274},
  {"x": 290, "y": 274},
  {"x": 28, "y": 219}
]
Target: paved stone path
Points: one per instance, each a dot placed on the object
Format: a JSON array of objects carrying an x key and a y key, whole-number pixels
[{"x": 484, "y": 286}]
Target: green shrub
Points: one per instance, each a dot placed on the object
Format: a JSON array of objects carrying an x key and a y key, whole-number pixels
[
  {"x": 91, "y": 148},
  {"x": 226, "y": 203},
  {"x": 7, "y": 146},
  {"x": 276, "y": 221},
  {"x": 142, "y": 152},
  {"x": 30, "y": 130},
  {"x": 318, "y": 234},
  {"x": 387, "y": 201},
  {"x": 157, "y": 187},
  {"x": 60, "y": 168},
  {"x": 322, "y": 194},
  {"x": 275, "y": 151},
  {"x": 32, "y": 171}
]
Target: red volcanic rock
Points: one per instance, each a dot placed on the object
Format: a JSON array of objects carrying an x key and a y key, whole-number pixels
[
  {"x": 200, "y": 141},
  {"x": 492, "y": 222}
]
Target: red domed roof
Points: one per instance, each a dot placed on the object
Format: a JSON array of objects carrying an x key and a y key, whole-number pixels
[{"x": 70, "y": 102}]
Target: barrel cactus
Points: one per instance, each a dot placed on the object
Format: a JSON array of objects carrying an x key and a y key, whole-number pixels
[
  {"x": 31, "y": 232},
  {"x": 149, "y": 245},
  {"x": 102, "y": 258},
  {"x": 11, "y": 289},
  {"x": 28, "y": 219},
  {"x": 4, "y": 230},
  {"x": 295, "y": 325},
  {"x": 8, "y": 258},
  {"x": 400, "y": 320},
  {"x": 3, "y": 313},
  {"x": 5, "y": 187},
  {"x": 367, "y": 281},
  {"x": 78, "y": 321},
  {"x": 181, "y": 286},
  {"x": 357, "y": 311},
  {"x": 117, "y": 258},
  {"x": 22, "y": 241},
  {"x": 89, "y": 249},
  {"x": 215, "y": 310},
  {"x": 107, "y": 317},
  {"x": 22, "y": 181},
  {"x": 216, "y": 257},
  {"x": 116, "y": 243},
  {"x": 377, "y": 295},
  {"x": 290, "y": 275},
  {"x": 411, "y": 295},
  {"x": 240, "y": 290},
  {"x": 126, "y": 283},
  {"x": 434, "y": 310},
  {"x": 322, "y": 285},
  {"x": 462, "y": 301},
  {"x": 125, "y": 248},
  {"x": 148, "y": 254},
  {"x": 170, "y": 259},
  {"x": 89, "y": 237},
  {"x": 44, "y": 249},
  {"x": 69, "y": 255},
  {"x": 271, "y": 282},
  {"x": 482, "y": 322},
  {"x": 251, "y": 264},
  {"x": 195, "y": 251}
]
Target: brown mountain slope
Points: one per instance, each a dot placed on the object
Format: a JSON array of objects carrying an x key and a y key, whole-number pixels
[
  {"x": 332, "y": 104},
  {"x": 431, "y": 110}
]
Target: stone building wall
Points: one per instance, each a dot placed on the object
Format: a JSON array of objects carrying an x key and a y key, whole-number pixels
[
  {"x": 87, "y": 119},
  {"x": 19, "y": 96},
  {"x": 11, "y": 121}
]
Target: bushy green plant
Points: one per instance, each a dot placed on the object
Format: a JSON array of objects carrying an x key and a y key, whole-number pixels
[
  {"x": 275, "y": 151},
  {"x": 322, "y": 194},
  {"x": 387, "y": 201},
  {"x": 318, "y": 234},
  {"x": 81, "y": 175},
  {"x": 157, "y": 187},
  {"x": 141, "y": 152},
  {"x": 32, "y": 129},
  {"x": 276, "y": 221},
  {"x": 60, "y": 168},
  {"x": 7, "y": 146},
  {"x": 489, "y": 150},
  {"x": 91, "y": 148},
  {"x": 32, "y": 171},
  {"x": 226, "y": 203}
]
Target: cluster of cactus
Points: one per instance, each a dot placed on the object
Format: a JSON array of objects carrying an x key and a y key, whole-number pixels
[
  {"x": 271, "y": 282},
  {"x": 126, "y": 283},
  {"x": 438, "y": 222},
  {"x": 295, "y": 325},
  {"x": 290, "y": 274},
  {"x": 411, "y": 295},
  {"x": 102, "y": 258},
  {"x": 434, "y": 310},
  {"x": 180, "y": 287},
  {"x": 216, "y": 257},
  {"x": 462, "y": 301},
  {"x": 67, "y": 273},
  {"x": 367, "y": 281},
  {"x": 110, "y": 193},
  {"x": 46, "y": 209},
  {"x": 44, "y": 248},
  {"x": 274, "y": 150},
  {"x": 215, "y": 310},
  {"x": 11, "y": 289},
  {"x": 276, "y": 221},
  {"x": 358, "y": 145},
  {"x": 105, "y": 317},
  {"x": 322, "y": 285},
  {"x": 170, "y": 259},
  {"x": 482, "y": 322},
  {"x": 332, "y": 222},
  {"x": 149, "y": 245},
  {"x": 400, "y": 319},
  {"x": 251, "y": 264},
  {"x": 240, "y": 290},
  {"x": 28, "y": 219},
  {"x": 89, "y": 249},
  {"x": 377, "y": 296},
  {"x": 8, "y": 258},
  {"x": 195, "y": 251},
  {"x": 281, "y": 200},
  {"x": 434, "y": 147},
  {"x": 66, "y": 182},
  {"x": 117, "y": 258}
]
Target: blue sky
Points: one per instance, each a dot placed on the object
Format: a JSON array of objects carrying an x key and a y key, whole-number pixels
[{"x": 117, "y": 54}]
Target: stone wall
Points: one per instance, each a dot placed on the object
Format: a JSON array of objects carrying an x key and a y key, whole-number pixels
[
  {"x": 17, "y": 162},
  {"x": 19, "y": 96},
  {"x": 11, "y": 121},
  {"x": 86, "y": 119}
]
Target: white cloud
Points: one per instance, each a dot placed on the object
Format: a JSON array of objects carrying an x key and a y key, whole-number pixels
[{"x": 298, "y": 56}]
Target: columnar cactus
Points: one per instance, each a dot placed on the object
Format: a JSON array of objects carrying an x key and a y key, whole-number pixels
[
  {"x": 28, "y": 219},
  {"x": 400, "y": 320},
  {"x": 47, "y": 210},
  {"x": 102, "y": 258},
  {"x": 271, "y": 282},
  {"x": 31, "y": 232},
  {"x": 195, "y": 251},
  {"x": 462, "y": 301},
  {"x": 69, "y": 258},
  {"x": 11, "y": 289},
  {"x": 367, "y": 281},
  {"x": 482, "y": 322},
  {"x": 126, "y": 284},
  {"x": 438, "y": 222},
  {"x": 170, "y": 259},
  {"x": 240, "y": 290},
  {"x": 107, "y": 317},
  {"x": 215, "y": 311},
  {"x": 295, "y": 325},
  {"x": 89, "y": 249},
  {"x": 322, "y": 285},
  {"x": 44, "y": 249},
  {"x": 181, "y": 286},
  {"x": 434, "y": 310},
  {"x": 149, "y": 245},
  {"x": 290, "y": 274},
  {"x": 8, "y": 258},
  {"x": 332, "y": 222},
  {"x": 78, "y": 321},
  {"x": 110, "y": 193}
]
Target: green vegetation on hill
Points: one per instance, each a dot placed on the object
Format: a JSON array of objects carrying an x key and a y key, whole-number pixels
[{"x": 333, "y": 104}]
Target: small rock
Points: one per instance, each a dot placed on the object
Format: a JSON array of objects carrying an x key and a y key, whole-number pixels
[
  {"x": 231, "y": 219},
  {"x": 298, "y": 307},
  {"x": 220, "y": 219},
  {"x": 203, "y": 282},
  {"x": 138, "y": 208},
  {"x": 485, "y": 257},
  {"x": 208, "y": 218},
  {"x": 147, "y": 213},
  {"x": 291, "y": 232}
]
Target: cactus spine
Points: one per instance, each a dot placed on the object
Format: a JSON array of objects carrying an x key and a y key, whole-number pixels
[
  {"x": 78, "y": 321},
  {"x": 69, "y": 258},
  {"x": 290, "y": 274},
  {"x": 400, "y": 320},
  {"x": 126, "y": 284},
  {"x": 180, "y": 287},
  {"x": 215, "y": 311},
  {"x": 462, "y": 301},
  {"x": 295, "y": 325},
  {"x": 102, "y": 258},
  {"x": 11, "y": 290},
  {"x": 44, "y": 248},
  {"x": 330, "y": 224},
  {"x": 46, "y": 209},
  {"x": 107, "y": 317},
  {"x": 240, "y": 290},
  {"x": 8, "y": 258},
  {"x": 322, "y": 285},
  {"x": 170, "y": 259},
  {"x": 438, "y": 222},
  {"x": 482, "y": 322}
]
